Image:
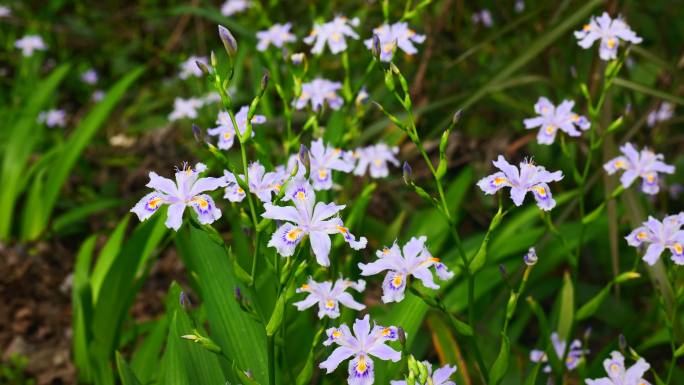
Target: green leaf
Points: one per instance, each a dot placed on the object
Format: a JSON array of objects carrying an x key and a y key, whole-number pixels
[
  {"x": 148, "y": 353},
  {"x": 277, "y": 316},
  {"x": 594, "y": 214},
  {"x": 80, "y": 213},
  {"x": 589, "y": 308},
  {"x": 72, "y": 149},
  {"x": 630, "y": 85},
  {"x": 234, "y": 330},
  {"x": 82, "y": 305},
  {"x": 125, "y": 372},
  {"x": 567, "y": 308},
  {"x": 107, "y": 256},
  {"x": 679, "y": 352},
  {"x": 500, "y": 366},
  {"x": 24, "y": 134}
]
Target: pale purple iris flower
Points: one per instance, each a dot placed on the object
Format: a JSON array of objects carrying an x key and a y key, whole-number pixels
[
  {"x": 375, "y": 158},
  {"x": 553, "y": 118},
  {"x": 306, "y": 217},
  {"x": 360, "y": 346},
  {"x": 415, "y": 261},
  {"x": 644, "y": 164},
  {"x": 261, "y": 183},
  {"x": 185, "y": 108},
  {"x": 441, "y": 376},
  {"x": 324, "y": 159},
  {"x": 663, "y": 113},
  {"x": 484, "y": 17},
  {"x": 226, "y": 130},
  {"x": 5, "y": 11},
  {"x": 609, "y": 32},
  {"x": 89, "y": 77},
  {"x": 187, "y": 190},
  {"x": 529, "y": 178},
  {"x": 334, "y": 33},
  {"x": 231, "y": 7},
  {"x": 189, "y": 67},
  {"x": 53, "y": 118},
  {"x": 319, "y": 92},
  {"x": 328, "y": 296},
  {"x": 659, "y": 236},
  {"x": 395, "y": 35},
  {"x": 575, "y": 353},
  {"x": 617, "y": 375},
  {"x": 277, "y": 35},
  {"x": 29, "y": 44}
]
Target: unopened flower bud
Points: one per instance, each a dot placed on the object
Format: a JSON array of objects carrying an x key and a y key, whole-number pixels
[
  {"x": 304, "y": 156},
  {"x": 202, "y": 67},
  {"x": 228, "y": 40},
  {"x": 531, "y": 257},
  {"x": 264, "y": 80},
  {"x": 375, "y": 48},
  {"x": 183, "y": 299},
  {"x": 238, "y": 294},
  {"x": 407, "y": 173},
  {"x": 197, "y": 133},
  {"x": 456, "y": 117},
  {"x": 297, "y": 58},
  {"x": 401, "y": 335},
  {"x": 622, "y": 342}
]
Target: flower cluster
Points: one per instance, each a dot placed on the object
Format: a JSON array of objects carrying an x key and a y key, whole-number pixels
[
  {"x": 644, "y": 164},
  {"x": 661, "y": 114},
  {"x": 552, "y": 118},
  {"x": 53, "y": 118}
]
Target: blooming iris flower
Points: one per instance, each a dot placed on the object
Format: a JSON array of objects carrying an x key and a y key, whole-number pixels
[
  {"x": 185, "y": 108},
  {"x": 416, "y": 261},
  {"x": 53, "y": 118},
  {"x": 375, "y": 158},
  {"x": 552, "y": 118},
  {"x": 261, "y": 183},
  {"x": 333, "y": 33},
  {"x": 29, "y": 44},
  {"x": 617, "y": 375},
  {"x": 319, "y": 91},
  {"x": 363, "y": 343},
  {"x": 575, "y": 353},
  {"x": 231, "y": 7},
  {"x": 328, "y": 296},
  {"x": 530, "y": 178},
  {"x": 278, "y": 35},
  {"x": 645, "y": 164},
  {"x": 324, "y": 159},
  {"x": 439, "y": 377},
  {"x": 609, "y": 31},
  {"x": 307, "y": 217},
  {"x": 187, "y": 190},
  {"x": 190, "y": 68},
  {"x": 661, "y": 114},
  {"x": 89, "y": 77},
  {"x": 226, "y": 131},
  {"x": 660, "y": 236},
  {"x": 395, "y": 35}
]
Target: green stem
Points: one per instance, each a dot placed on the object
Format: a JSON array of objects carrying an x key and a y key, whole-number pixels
[{"x": 271, "y": 360}]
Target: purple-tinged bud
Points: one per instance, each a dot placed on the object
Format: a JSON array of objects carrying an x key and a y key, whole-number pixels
[
  {"x": 264, "y": 80},
  {"x": 622, "y": 342},
  {"x": 531, "y": 257},
  {"x": 457, "y": 117},
  {"x": 197, "y": 133},
  {"x": 587, "y": 334},
  {"x": 304, "y": 156},
  {"x": 407, "y": 173},
  {"x": 202, "y": 67},
  {"x": 297, "y": 58},
  {"x": 183, "y": 299},
  {"x": 503, "y": 271},
  {"x": 375, "y": 48},
  {"x": 401, "y": 335},
  {"x": 238, "y": 294},
  {"x": 228, "y": 40}
]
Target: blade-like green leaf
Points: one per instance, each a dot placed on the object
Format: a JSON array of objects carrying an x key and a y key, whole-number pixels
[
  {"x": 567, "y": 308},
  {"x": 125, "y": 373}
]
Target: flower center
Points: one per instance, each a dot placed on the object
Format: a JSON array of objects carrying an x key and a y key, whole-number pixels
[
  {"x": 550, "y": 129},
  {"x": 397, "y": 280},
  {"x": 361, "y": 367},
  {"x": 153, "y": 203},
  {"x": 293, "y": 234},
  {"x": 201, "y": 202},
  {"x": 329, "y": 304},
  {"x": 322, "y": 174},
  {"x": 540, "y": 190},
  {"x": 498, "y": 181},
  {"x": 678, "y": 248},
  {"x": 611, "y": 43}
]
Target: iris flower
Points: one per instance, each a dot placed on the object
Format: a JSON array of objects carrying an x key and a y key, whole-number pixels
[
  {"x": 261, "y": 183},
  {"x": 552, "y": 118},
  {"x": 529, "y": 178},
  {"x": 439, "y": 377},
  {"x": 231, "y": 7},
  {"x": 328, "y": 296},
  {"x": 360, "y": 346},
  {"x": 324, "y": 159},
  {"x": 333, "y": 33},
  {"x": 226, "y": 130},
  {"x": 319, "y": 91},
  {"x": 374, "y": 158},
  {"x": 277, "y": 35},
  {"x": 617, "y": 375},
  {"x": 662, "y": 113},
  {"x": 395, "y": 35},
  {"x": 187, "y": 190},
  {"x": 575, "y": 353},
  {"x": 53, "y": 118},
  {"x": 29, "y": 44},
  {"x": 416, "y": 261},
  {"x": 89, "y": 77},
  {"x": 189, "y": 67},
  {"x": 645, "y": 164},
  {"x": 306, "y": 217},
  {"x": 659, "y": 236},
  {"x": 185, "y": 108},
  {"x": 609, "y": 32}
]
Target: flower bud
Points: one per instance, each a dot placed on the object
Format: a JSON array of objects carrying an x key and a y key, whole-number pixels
[
  {"x": 264, "y": 80},
  {"x": 375, "y": 48},
  {"x": 531, "y": 257},
  {"x": 304, "y": 156},
  {"x": 401, "y": 335},
  {"x": 407, "y": 173},
  {"x": 622, "y": 342},
  {"x": 202, "y": 67},
  {"x": 297, "y": 58},
  {"x": 228, "y": 40},
  {"x": 238, "y": 294},
  {"x": 183, "y": 299},
  {"x": 197, "y": 133},
  {"x": 457, "y": 117}
]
